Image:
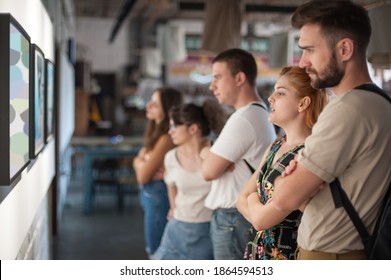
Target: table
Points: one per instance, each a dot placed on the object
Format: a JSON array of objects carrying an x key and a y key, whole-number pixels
[
  {"x": 90, "y": 150},
  {"x": 107, "y": 141}
]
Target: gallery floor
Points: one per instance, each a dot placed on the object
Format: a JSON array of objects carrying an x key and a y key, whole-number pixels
[{"x": 106, "y": 234}]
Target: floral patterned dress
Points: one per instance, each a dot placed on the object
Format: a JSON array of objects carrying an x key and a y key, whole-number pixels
[{"x": 278, "y": 242}]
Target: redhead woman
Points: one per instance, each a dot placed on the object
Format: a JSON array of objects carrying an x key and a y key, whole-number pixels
[
  {"x": 295, "y": 107},
  {"x": 149, "y": 168}
]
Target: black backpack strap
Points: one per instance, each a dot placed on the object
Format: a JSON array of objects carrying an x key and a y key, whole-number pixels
[
  {"x": 386, "y": 205},
  {"x": 341, "y": 199},
  {"x": 374, "y": 88},
  {"x": 252, "y": 170},
  {"x": 259, "y": 105}
]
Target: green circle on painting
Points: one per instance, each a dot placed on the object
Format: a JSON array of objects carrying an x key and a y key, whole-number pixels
[{"x": 19, "y": 144}]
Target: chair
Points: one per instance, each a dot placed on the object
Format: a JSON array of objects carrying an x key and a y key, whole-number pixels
[
  {"x": 114, "y": 175},
  {"x": 105, "y": 178}
]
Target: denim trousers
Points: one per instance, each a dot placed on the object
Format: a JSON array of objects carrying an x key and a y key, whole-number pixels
[
  {"x": 229, "y": 232},
  {"x": 185, "y": 241},
  {"x": 154, "y": 201}
]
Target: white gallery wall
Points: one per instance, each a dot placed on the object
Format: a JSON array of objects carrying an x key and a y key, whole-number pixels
[{"x": 21, "y": 203}]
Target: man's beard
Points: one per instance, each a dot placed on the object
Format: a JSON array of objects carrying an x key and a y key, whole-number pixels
[{"x": 332, "y": 75}]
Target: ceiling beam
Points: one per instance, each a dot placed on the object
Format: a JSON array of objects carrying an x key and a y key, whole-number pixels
[
  {"x": 249, "y": 8},
  {"x": 191, "y": 6},
  {"x": 123, "y": 12},
  {"x": 255, "y": 8}
]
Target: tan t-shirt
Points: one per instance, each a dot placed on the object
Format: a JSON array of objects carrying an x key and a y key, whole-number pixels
[{"x": 351, "y": 141}]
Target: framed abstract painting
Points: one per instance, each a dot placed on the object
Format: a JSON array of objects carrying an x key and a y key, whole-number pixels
[
  {"x": 49, "y": 100},
  {"x": 14, "y": 98},
  {"x": 37, "y": 101}
]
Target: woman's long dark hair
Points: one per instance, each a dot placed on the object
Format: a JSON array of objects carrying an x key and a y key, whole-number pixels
[{"x": 169, "y": 97}]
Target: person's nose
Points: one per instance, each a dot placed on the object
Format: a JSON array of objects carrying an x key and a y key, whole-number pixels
[
  {"x": 271, "y": 98},
  {"x": 212, "y": 86},
  {"x": 304, "y": 62}
]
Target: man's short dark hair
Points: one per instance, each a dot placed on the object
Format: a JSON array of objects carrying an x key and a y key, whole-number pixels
[
  {"x": 239, "y": 60},
  {"x": 337, "y": 19}
]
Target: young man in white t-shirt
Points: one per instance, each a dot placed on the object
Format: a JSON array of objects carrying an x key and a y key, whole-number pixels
[{"x": 245, "y": 136}]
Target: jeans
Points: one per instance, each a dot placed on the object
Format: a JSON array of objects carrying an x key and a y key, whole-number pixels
[
  {"x": 154, "y": 201},
  {"x": 185, "y": 241},
  {"x": 229, "y": 233}
]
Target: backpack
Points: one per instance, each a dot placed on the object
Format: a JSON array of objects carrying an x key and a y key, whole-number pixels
[{"x": 377, "y": 245}]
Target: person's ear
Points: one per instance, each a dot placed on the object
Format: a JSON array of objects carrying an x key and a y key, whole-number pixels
[
  {"x": 304, "y": 103},
  {"x": 240, "y": 78},
  {"x": 193, "y": 128},
  {"x": 345, "y": 49}
]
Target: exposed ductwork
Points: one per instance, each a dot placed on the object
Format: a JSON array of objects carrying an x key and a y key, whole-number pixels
[{"x": 154, "y": 11}]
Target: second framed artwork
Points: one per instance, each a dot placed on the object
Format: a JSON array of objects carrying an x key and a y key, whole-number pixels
[
  {"x": 37, "y": 101},
  {"x": 49, "y": 100}
]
